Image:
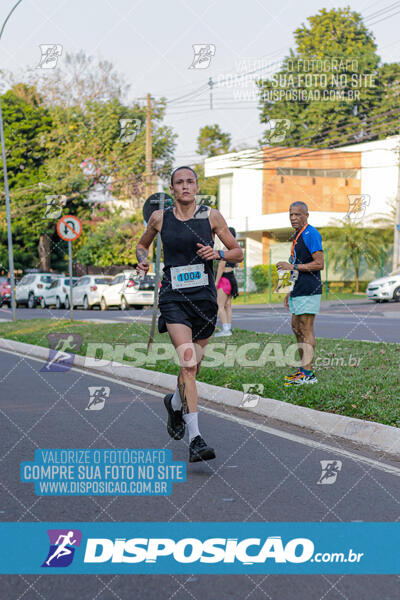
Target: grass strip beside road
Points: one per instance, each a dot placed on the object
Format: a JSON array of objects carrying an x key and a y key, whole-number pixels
[
  {"x": 356, "y": 379},
  {"x": 263, "y": 298}
]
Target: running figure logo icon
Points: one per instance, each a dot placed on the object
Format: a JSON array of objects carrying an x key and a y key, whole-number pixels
[
  {"x": 129, "y": 128},
  {"x": 60, "y": 356},
  {"x": 206, "y": 200},
  {"x": 203, "y": 54},
  {"x": 50, "y": 55},
  {"x": 62, "y": 547},
  {"x": 330, "y": 470},
  {"x": 54, "y": 207},
  {"x": 98, "y": 397},
  {"x": 276, "y": 130},
  {"x": 357, "y": 206},
  {"x": 251, "y": 395}
]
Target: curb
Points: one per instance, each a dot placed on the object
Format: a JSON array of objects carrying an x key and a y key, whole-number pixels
[{"x": 376, "y": 436}]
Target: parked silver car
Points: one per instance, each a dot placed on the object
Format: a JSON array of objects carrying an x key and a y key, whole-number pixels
[
  {"x": 385, "y": 288},
  {"x": 29, "y": 290},
  {"x": 57, "y": 293},
  {"x": 128, "y": 289},
  {"x": 89, "y": 289}
]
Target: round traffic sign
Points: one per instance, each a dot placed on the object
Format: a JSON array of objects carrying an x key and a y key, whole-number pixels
[
  {"x": 69, "y": 228},
  {"x": 153, "y": 203}
]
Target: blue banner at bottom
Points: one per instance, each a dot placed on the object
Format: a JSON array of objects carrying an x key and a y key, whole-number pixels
[{"x": 207, "y": 547}]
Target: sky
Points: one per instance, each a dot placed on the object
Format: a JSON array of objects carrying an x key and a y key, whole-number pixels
[{"x": 151, "y": 43}]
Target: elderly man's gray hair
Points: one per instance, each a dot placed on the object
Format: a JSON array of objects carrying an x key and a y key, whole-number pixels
[{"x": 302, "y": 205}]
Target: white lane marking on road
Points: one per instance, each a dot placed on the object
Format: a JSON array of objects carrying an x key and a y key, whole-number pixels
[
  {"x": 306, "y": 442},
  {"x": 239, "y": 420}
]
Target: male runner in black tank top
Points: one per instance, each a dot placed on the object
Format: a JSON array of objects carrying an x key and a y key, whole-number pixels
[{"x": 187, "y": 303}]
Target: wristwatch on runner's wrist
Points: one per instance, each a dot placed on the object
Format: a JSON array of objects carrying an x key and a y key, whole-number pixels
[
  {"x": 221, "y": 255},
  {"x": 295, "y": 267}
]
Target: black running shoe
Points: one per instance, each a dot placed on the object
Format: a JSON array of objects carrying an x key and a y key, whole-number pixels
[
  {"x": 176, "y": 424},
  {"x": 198, "y": 450}
]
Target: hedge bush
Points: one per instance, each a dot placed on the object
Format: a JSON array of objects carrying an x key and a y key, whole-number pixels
[{"x": 260, "y": 276}]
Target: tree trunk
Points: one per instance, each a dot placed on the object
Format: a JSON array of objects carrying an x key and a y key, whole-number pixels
[
  {"x": 357, "y": 281},
  {"x": 44, "y": 250}
]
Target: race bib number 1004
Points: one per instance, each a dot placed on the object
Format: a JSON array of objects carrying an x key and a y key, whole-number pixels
[{"x": 188, "y": 276}]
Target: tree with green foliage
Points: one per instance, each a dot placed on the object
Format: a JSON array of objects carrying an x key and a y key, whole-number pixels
[
  {"x": 335, "y": 53},
  {"x": 260, "y": 277},
  {"x": 212, "y": 141},
  {"x": 26, "y": 124},
  {"x": 352, "y": 243},
  {"x": 110, "y": 241},
  {"x": 60, "y": 143}
]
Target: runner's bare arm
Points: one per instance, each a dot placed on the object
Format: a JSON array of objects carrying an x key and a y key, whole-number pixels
[
  {"x": 317, "y": 264},
  {"x": 153, "y": 227},
  {"x": 234, "y": 253}
]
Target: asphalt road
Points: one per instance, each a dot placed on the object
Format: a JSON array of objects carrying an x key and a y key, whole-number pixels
[
  {"x": 258, "y": 475},
  {"x": 351, "y": 319}
]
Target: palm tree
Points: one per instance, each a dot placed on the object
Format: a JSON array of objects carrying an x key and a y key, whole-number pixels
[{"x": 352, "y": 244}]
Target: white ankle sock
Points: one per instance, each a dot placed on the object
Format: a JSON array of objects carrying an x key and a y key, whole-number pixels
[
  {"x": 192, "y": 422},
  {"x": 226, "y": 326},
  {"x": 176, "y": 401}
]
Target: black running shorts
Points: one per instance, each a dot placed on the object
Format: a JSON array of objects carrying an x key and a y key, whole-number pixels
[{"x": 200, "y": 316}]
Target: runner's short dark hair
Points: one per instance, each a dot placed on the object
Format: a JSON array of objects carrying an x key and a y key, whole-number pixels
[{"x": 178, "y": 169}]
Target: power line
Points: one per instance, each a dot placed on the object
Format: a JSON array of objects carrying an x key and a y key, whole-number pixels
[
  {"x": 372, "y": 128},
  {"x": 310, "y": 151},
  {"x": 388, "y": 17},
  {"x": 381, "y": 11}
]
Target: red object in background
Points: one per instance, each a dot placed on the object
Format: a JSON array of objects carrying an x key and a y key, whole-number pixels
[
  {"x": 131, "y": 283},
  {"x": 5, "y": 292},
  {"x": 93, "y": 288}
]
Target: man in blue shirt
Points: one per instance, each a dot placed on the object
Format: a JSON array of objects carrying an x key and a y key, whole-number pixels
[{"x": 305, "y": 264}]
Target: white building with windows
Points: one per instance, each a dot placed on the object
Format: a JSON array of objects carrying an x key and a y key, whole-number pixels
[{"x": 256, "y": 188}]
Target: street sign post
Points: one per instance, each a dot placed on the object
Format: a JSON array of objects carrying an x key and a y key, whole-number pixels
[
  {"x": 156, "y": 201},
  {"x": 69, "y": 228}
]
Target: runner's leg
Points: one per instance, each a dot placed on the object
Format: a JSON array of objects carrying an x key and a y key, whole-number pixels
[
  {"x": 228, "y": 310},
  {"x": 298, "y": 333},
  {"x": 190, "y": 354},
  {"x": 200, "y": 348},
  {"x": 306, "y": 325},
  {"x": 181, "y": 337},
  {"x": 226, "y": 319},
  {"x": 221, "y": 299}
]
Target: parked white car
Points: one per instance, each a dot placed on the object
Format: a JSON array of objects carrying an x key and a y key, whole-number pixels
[
  {"x": 385, "y": 288},
  {"x": 31, "y": 287},
  {"x": 128, "y": 289},
  {"x": 89, "y": 289},
  {"x": 57, "y": 293}
]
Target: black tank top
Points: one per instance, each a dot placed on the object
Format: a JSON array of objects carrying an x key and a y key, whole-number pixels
[{"x": 179, "y": 240}]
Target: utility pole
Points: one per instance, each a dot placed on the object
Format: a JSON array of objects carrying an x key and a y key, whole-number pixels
[
  {"x": 149, "y": 177},
  {"x": 149, "y": 183},
  {"x": 7, "y": 194},
  {"x": 211, "y": 84}
]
